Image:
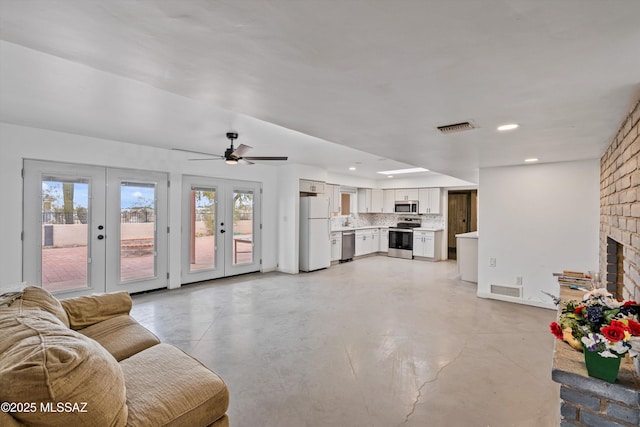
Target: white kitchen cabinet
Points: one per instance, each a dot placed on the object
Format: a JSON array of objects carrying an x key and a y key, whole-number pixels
[
  {"x": 405, "y": 194},
  {"x": 364, "y": 200},
  {"x": 429, "y": 200},
  {"x": 336, "y": 245},
  {"x": 388, "y": 201},
  {"x": 377, "y": 205},
  {"x": 308, "y": 186},
  {"x": 366, "y": 241},
  {"x": 361, "y": 238},
  {"x": 427, "y": 244},
  {"x": 383, "y": 241},
  {"x": 374, "y": 244},
  {"x": 335, "y": 200}
]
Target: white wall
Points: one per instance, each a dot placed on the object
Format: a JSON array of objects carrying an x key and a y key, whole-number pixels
[
  {"x": 537, "y": 220},
  {"x": 426, "y": 181},
  {"x": 18, "y": 143}
]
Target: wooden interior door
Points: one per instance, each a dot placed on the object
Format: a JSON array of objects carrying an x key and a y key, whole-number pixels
[{"x": 458, "y": 219}]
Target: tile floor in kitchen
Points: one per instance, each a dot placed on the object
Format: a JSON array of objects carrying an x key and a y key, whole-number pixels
[{"x": 375, "y": 342}]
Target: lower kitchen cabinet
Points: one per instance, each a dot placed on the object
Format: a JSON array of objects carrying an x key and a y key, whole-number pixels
[
  {"x": 366, "y": 241},
  {"x": 427, "y": 244},
  {"x": 383, "y": 240},
  {"x": 336, "y": 246}
]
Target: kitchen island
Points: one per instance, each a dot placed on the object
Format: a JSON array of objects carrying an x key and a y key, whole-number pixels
[{"x": 467, "y": 255}]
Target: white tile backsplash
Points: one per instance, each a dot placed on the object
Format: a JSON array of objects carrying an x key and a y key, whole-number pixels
[{"x": 385, "y": 220}]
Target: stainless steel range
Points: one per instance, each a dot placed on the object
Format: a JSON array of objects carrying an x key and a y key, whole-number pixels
[{"x": 401, "y": 238}]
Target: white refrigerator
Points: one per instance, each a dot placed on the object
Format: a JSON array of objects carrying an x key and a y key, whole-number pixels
[{"x": 315, "y": 230}]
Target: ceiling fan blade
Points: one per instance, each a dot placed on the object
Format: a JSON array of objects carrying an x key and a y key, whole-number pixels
[
  {"x": 196, "y": 152},
  {"x": 241, "y": 150},
  {"x": 268, "y": 158},
  {"x": 215, "y": 158},
  {"x": 244, "y": 162}
]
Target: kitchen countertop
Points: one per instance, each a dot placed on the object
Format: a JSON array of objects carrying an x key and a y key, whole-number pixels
[
  {"x": 471, "y": 235},
  {"x": 365, "y": 227},
  {"x": 368, "y": 227}
]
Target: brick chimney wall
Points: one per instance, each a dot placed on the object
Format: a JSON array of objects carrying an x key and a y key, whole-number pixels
[{"x": 620, "y": 204}]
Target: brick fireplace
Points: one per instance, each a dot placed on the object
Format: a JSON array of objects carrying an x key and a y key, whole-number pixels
[
  {"x": 620, "y": 210},
  {"x": 587, "y": 401}
]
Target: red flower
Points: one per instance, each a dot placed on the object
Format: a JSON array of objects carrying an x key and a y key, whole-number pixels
[
  {"x": 613, "y": 333},
  {"x": 634, "y": 327},
  {"x": 578, "y": 310},
  {"x": 629, "y": 303},
  {"x": 556, "y": 330},
  {"x": 619, "y": 324}
]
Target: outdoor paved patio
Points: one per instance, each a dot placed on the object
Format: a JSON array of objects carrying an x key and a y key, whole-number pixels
[{"x": 66, "y": 268}]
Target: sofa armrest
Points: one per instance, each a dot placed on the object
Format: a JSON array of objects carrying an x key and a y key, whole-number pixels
[{"x": 89, "y": 310}]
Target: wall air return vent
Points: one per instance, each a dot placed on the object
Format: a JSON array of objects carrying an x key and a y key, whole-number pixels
[
  {"x": 456, "y": 127},
  {"x": 507, "y": 291}
]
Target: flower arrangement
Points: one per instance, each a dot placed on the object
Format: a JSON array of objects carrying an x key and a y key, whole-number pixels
[{"x": 600, "y": 323}]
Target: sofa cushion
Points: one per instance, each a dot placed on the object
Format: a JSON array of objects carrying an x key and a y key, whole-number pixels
[
  {"x": 88, "y": 310},
  {"x": 38, "y": 298},
  {"x": 122, "y": 336},
  {"x": 45, "y": 362},
  {"x": 186, "y": 394}
]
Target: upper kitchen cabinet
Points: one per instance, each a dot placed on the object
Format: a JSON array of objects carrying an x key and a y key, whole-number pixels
[
  {"x": 377, "y": 205},
  {"x": 307, "y": 186},
  {"x": 364, "y": 200},
  {"x": 388, "y": 201},
  {"x": 369, "y": 200},
  {"x": 405, "y": 194},
  {"x": 335, "y": 201},
  {"x": 429, "y": 200}
]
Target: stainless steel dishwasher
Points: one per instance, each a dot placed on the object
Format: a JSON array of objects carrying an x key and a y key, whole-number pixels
[{"x": 348, "y": 245}]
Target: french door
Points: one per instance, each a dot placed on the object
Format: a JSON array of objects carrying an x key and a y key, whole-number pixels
[
  {"x": 220, "y": 229},
  {"x": 91, "y": 229}
]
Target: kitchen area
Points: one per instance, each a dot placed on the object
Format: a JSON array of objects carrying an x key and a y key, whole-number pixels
[{"x": 359, "y": 222}]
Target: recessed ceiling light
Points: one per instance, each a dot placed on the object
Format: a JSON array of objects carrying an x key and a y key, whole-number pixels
[
  {"x": 399, "y": 171},
  {"x": 352, "y": 168},
  {"x": 389, "y": 176},
  {"x": 509, "y": 126},
  {"x": 531, "y": 160}
]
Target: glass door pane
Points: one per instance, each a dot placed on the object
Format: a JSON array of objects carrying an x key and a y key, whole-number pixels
[
  {"x": 242, "y": 227},
  {"x": 65, "y": 230},
  {"x": 64, "y": 227},
  {"x": 202, "y": 235},
  {"x": 242, "y": 240},
  {"x": 137, "y": 231}
]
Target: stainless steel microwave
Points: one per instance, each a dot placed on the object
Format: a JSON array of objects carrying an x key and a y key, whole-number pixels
[{"x": 409, "y": 206}]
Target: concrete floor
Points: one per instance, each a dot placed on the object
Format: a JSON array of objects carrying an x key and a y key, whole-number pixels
[{"x": 375, "y": 342}]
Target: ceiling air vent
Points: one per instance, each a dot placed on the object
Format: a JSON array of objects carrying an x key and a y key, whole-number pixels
[{"x": 456, "y": 127}]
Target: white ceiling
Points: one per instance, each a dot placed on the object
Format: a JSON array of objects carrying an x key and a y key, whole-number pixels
[{"x": 365, "y": 75}]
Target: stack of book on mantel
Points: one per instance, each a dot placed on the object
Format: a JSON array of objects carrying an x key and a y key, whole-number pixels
[{"x": 573, "y": 278}]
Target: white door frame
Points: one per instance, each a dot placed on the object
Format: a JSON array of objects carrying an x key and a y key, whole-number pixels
[
  {"x": 223, "y": 228},
  {"x": 103, "y": 225}
]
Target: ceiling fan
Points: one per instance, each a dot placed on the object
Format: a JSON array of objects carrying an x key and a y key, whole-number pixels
[{"x": 233, "y": 155}]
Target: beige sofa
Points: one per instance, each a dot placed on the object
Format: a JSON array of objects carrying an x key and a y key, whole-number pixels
[{"x": 86, "y": 362}]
